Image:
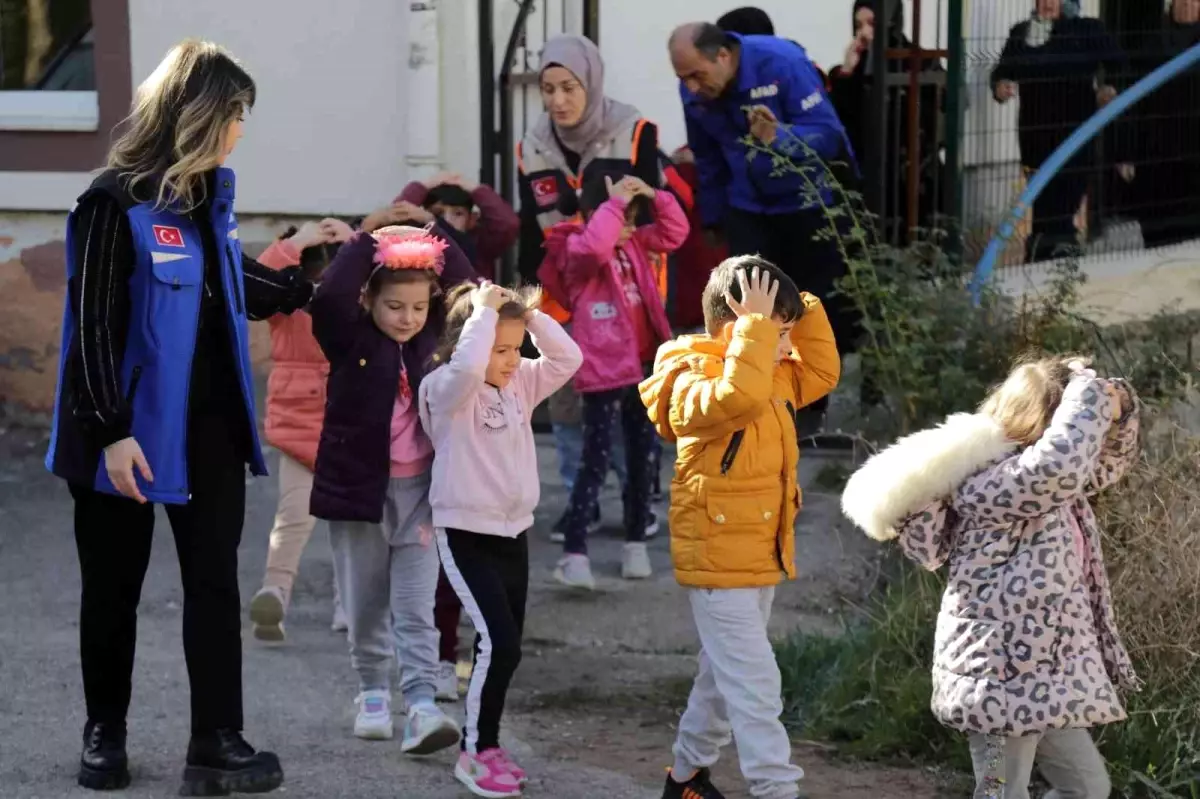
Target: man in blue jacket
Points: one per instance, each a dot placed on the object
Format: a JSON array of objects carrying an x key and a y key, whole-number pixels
[{"x": 750, "y": 101}]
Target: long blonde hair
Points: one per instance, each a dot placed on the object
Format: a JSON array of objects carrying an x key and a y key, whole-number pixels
[
  {"x": 176, "y": 130},
  {"x": 1025, "y": 402}
]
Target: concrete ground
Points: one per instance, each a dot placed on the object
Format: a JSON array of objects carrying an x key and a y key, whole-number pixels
[{"x": 591, "y": 713}]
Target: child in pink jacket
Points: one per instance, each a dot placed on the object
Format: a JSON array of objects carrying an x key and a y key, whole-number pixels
[
  {"x": 601, "y": 273},
  {"x": 295, "y": 409},
  {"x": 475, "y": 407}
]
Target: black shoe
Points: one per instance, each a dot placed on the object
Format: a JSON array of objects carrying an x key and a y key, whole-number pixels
[
  {"x": 221, "y": 763},
  {"x": 104, "y": 766},
  {"x": 698, "y": 787}
]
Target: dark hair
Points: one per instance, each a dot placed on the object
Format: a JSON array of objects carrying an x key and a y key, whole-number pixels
[
  {"x": 595, "y": 192},
  {"x": 316, "y": 259},
  {"x": 449, "y": 195},
  {"x": 747, "y": 21},
  {"x": 459, "y": 309},
  {"x": 788, "y": 304},
  {"x": 710, "y": 40}
]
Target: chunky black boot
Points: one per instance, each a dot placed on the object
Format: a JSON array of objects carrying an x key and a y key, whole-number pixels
[
  {"x": 104, "y": 766},
  {"x": 220, "y": 763}
]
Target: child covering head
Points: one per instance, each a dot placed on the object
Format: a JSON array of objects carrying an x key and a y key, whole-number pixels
[
  {"x": 728, "y": 399},
  {"x": 476, "y": 406},
  {"x": 1026, "y": 652},
  {"x": 377, "y": 319},
  {"x": 295, "y": 408},
  {"x": 600, "y": 271}
]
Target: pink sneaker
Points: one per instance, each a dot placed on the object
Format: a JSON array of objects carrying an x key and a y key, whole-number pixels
[
  {"x": 506, "y": 760},
  {"x": 487, "y": 774}
]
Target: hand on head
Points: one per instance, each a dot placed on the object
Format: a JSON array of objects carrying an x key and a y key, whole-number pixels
[
  {"x": 489, "y": 295},
  {"x": 758, "y": 292},
  {"x": 628, "y": 187},
  {"x": 399, "y": 213}
]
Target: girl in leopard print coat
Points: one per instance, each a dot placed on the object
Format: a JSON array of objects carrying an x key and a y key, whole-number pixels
[{"x": 1026, "y": 651}]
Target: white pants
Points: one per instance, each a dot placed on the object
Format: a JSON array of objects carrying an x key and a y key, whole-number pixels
[
  {"x": 1068, "y": 759},
  {"x": 737, "y": 693}
]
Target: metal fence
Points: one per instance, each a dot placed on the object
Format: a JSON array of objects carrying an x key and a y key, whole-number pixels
[{"x": 1031, "y": 80}]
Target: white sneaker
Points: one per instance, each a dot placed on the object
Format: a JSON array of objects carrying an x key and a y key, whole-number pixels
[
  {"x": 374, "y": 720},
  {"x": 339, "y": 624},
  {"x": 652, "y": 527},
  {"x": 428, "y": 730},
  {"x": 266, "y": 612},
  {"x": 446, "y": 683},
  {"x": 557, "y": 536},
  {"x": 635, "y": 562},
  {"x": 575, "y": 571}
]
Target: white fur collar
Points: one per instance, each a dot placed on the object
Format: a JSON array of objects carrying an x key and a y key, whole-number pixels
[{"x": 919, "y": 469}]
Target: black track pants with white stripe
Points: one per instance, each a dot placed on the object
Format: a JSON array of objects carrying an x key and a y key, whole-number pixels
[{"x": 490, "y": 574}]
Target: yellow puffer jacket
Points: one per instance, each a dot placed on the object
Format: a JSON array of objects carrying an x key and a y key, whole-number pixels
[{"x": 731, "y": 411}]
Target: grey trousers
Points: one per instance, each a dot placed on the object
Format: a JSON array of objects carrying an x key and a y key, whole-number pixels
[
  {"x": 388, "y": 576},
  {"x": 1068, "y": 759},
  {"x": 737, "y": 693}
]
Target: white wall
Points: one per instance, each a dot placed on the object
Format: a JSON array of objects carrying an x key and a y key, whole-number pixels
[
  {"x": 328, "y": 132},
  {"x": 633, "y": 40}
]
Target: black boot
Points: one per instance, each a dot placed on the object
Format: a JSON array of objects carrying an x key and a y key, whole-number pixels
[
  {"x": 220, "y": 763},
  {"x": 103, "y": 766}
]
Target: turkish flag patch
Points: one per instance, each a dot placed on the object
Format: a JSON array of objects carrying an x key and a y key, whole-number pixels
[
  {"x": 167, "y": 236},
  {"x": 545, "y": 190}
]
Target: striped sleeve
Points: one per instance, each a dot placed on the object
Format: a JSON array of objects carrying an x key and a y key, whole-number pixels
[{"x": 99, "y": 294}]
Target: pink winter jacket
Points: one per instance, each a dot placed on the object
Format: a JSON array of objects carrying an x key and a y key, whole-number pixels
[
  {"x": 584, "y": 255},
  {"x": 296, "y": 386},
  {"x": 485, "y": 472},
  {"x": 1026, "y": 637}
]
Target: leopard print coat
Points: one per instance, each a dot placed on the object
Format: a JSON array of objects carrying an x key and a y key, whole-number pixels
[{"x": 1026, "y": 638}]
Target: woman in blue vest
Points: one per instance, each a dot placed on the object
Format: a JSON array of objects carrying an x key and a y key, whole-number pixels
[{"x": 155, "y": 404}]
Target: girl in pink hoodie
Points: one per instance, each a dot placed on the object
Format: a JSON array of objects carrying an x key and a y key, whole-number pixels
[
  {"x": 601, "y": 273},
  {"x": 476, "y": 410}
]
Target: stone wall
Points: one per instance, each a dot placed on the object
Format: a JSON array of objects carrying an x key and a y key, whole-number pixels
[{"x": 32, "y": 283}]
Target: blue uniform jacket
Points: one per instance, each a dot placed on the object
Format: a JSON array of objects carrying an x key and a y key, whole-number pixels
[
  {"x": 155, "y": 371},
  {"x": 778, "y": 74}
]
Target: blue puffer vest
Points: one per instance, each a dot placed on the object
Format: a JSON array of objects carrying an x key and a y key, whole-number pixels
[{"x": 156, "y": 369}]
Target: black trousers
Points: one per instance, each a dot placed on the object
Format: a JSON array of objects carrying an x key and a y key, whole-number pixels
[
  {"x": 490, "y": 574},
  {"x": 1052, "y": 230},
  {"x": 802, "y": 245},
  {"x": 113, "y": 536}
]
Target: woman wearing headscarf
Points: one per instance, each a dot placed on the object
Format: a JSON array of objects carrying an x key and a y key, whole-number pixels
[
  {"x": 1055, "y": 60},
  {"x": 581, "y": 133},
  {"x": 850, "y": 90},
  {"x": 1167, "y": 193}
]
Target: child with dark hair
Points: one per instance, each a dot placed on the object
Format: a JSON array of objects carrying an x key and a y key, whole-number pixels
[
  {"x": 486, "y": 226},
  {"x": 601, "y": 273},
  {"x": 729, "y": 400},
  {"x": 377, "y": 319},
  {"x": 295, "y": 409},
  {"x": 747, "y": 21},
  {"x": 476, "y": 406}
]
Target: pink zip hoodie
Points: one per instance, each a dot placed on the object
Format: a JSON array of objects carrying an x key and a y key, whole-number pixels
[
  {"x": 485, "y": 472},
  {"x": 601, "y": 318}
]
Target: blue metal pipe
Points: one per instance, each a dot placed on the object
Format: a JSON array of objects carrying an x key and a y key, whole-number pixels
[{"x": 1067, "y": 150}]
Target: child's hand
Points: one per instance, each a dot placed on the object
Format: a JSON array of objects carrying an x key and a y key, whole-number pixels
[
  {"x": 489, "y": 295},
  {"x": 336, "y": 230},
  {"x": 638, "y": 187},
  {"x": 620, "y": 190},
  {"x": 758, "y": 294},
  {"x": 310, "y": 234}
]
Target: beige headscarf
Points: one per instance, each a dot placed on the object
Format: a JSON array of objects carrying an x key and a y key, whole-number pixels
[{"x": 602, "y": 118}]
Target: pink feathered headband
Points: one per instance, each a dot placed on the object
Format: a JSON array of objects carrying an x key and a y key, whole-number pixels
[{"x": 420, "y": 250}]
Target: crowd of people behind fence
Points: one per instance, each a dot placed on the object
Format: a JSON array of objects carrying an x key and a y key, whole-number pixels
[{"x": 403, "y": 388}]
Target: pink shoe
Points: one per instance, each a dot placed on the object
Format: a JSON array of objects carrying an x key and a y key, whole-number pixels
[
  {"x": 506, "y": 759},
  {"x": 487, "y": 774}
]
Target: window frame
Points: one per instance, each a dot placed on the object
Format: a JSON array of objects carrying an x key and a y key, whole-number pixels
[{"x": 60, "y": 131}]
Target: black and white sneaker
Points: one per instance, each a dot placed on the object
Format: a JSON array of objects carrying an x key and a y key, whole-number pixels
[{"x": 698, "y": 787}]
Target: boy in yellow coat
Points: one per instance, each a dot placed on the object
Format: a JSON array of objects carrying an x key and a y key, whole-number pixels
[{"x": 729, "y": 399}]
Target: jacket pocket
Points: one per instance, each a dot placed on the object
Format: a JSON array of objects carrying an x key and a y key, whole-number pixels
[
  {"x": 742, "y": 529},
  {"x": 174, "y": 297}
]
